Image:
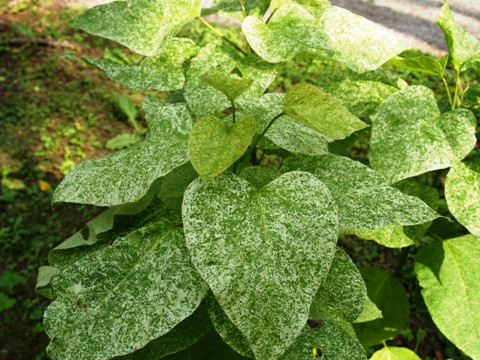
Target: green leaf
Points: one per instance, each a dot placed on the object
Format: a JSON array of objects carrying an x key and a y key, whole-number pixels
[
  {"x": 123, "y": 141},
  {"x": 342, "y": 294},
  {"x": 163, "y": 72},
  {"x": 144, "y": 26},
  {"x": 390, "y": 297},
  {"x": 262, "y": 252},
  {"x": 449, "y": 274},
  {"x": 364, "y": 199},
  {"x": 213, "y": 147},
  {"x": 332, "y": 340},
  {"x": 320, "y": 112},
  {"x": 370, "y": 312},
  {"x": 173, "y": 185},
  {"x": 225, "y": 328},
  {"x": 189, "y": 332},
  {"x": 44, "y": 278},
  {"x": 389, "y": 236},
  {"x": 425, "y": 64},
  {"x": 127, "y": 175},
  {"x": 411, "y": 137},
  {"x": 122, "y": 294},
  {"x": 464, "y": 48},
  {"x": 6, "y": 303},
  {"x": 462, "y": 192},
  {"x": 231, "y": 87},
  {"x": 234, "y": 9},
  {"x": 394, "y": 353},
  {"x": 259, "y": 176}
]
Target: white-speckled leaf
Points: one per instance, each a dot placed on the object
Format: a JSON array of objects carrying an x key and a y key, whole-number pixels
[
  {"x": 121, "y": 297},
  {"x": 394, "y": 353},
  {"x": 342, "y": 294},
  {"x": 213, "y": 146},
  {"x": 464, "y": 47},
  {"x": 462, "y": 192},
  {"x": 333, "y": 340},
  {"x": 390, "y": 297},
  {"x": 127, "y": 175},
  {"x": 370, "y": 312},
  {"x": 411, "y": 137},
  {"x": 225, "y": 328},
  {"x": 234, "y": 9},
  {"x": 365, "y": 200},
  {"x": 144, "y": 26},
  {"x": 449, "y": 274},
  {"x": 321, "y": 112},
  {"x": 263, "y": 252},
  {"x": 229, "y": 86},
  {"x": 163, "y": 72}
]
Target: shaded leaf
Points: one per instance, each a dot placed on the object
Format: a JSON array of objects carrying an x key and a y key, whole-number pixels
[
  {"x": 174, "y": 184},
  {"x": 449, "y": 274},
  {"x": 259, "y": 176},
  {"x": 44, "y": 278},
  {"x": 262, "y": 252}
]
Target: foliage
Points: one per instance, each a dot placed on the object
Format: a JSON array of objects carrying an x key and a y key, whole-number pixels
[{"x": 202, "y": 226}]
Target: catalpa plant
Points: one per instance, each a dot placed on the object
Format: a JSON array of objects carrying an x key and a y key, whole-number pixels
[{"x": 207, "y": 251}]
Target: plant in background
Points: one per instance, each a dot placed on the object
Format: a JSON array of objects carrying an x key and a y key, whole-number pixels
[{"x": 209, "y": 250}]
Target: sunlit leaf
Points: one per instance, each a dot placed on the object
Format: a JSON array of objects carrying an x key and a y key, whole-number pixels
[{"x": 394, "y": 353}]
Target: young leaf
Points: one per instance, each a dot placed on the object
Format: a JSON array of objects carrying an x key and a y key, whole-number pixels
[
  {"x": 213, "y": 147},
  {"x": 365, "y": 200},
  {"x": 231, "y": 87},
  {"x": 390, "y": 297},
  {"x": 462, "y": 192},
  {"x": 127, "y": 175},
  {"x": 320, "y": 112},
  {"x": 370, "y": 312},
  {"x": 394, "y": 353},
  {"x": 263, "y": 252},
  {"x": 425, "y": 63},
  {"x": 342, "y": 294},
  {"x": 411, "y": 137},
  {"x": 122, "y": 294},
  {"x": 464, "y": 48},
  {"x": 163, "y": 72},
  {"x": 449, "y": 273},
  {"x": 144, "y": 26}
]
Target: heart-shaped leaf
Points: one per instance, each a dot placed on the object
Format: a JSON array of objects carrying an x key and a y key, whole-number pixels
[
  {"x": 229, "y": 86},
  {"x": 394, "y": 353},
  {"x": 426, "y": 64},
  {"x": 213, "y": 146},
  {"x": 410, "y": 136}
]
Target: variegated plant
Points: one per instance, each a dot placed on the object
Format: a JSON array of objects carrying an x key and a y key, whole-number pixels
[{"x": 206, "y": 252}]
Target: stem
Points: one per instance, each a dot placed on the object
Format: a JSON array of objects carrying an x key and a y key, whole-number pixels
[
  {"x": 448, "y": 92},
  {"x": 455, "y": 98},
  {"x": 266, "y": 129},
  {"x": 401, "y": 261},
  {"x": 233, "y": 110},
  {"x": 207, "y": 24},
  {"x": 243, "y": 8}
]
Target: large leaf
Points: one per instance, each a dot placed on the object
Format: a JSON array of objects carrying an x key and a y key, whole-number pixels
[
  {"x": 342, "y": 294},
  {"x": 321, "y": 112},
  {"x": 162, "y": 72},
  {"x": 126, "y": 294},
  {"x": 463, "y": 47},
  {"x": 127, "y": 175},
  {"x": 263, "y": 252},
  {"x": 410, "y": 136},
  {"x": 394, "y": 353},
  {"x": 462, "y": 192},
  {"x": 449, "y": 273},
  {"x": 365, "y": 200},
  {"x": 213, "y": 146},
  {"x": 144, "y": 26},
  {"x": 390, "y": 297}
]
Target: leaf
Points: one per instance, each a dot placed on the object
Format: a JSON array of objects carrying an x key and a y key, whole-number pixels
[
  {"x": 449, "y": 274},
  {"x": 425, "y": 64},
  {"x": 320, "y": 112},
  {"x": 122, "y": 294},
  {"x": 259, "y": 176},
  {"x": 390, "y": 297},
  {"x": 173, "y": 185},
  {"x": 213, "y": 147},
  {"x": 189, "y": 332},
  {"x": 411, "y": 137},
  {"x": 123, "y": 141},
  {"x": 225, "y": 328},
  {"x": 127, "y": 175},
  {"x": 342, "y": 294},
  {"x": 163, "y": 72},
  {"x": 44, "y": 278},
  {"x": 464, "y": 48},
  {"x": 335, "y": 340},
  {"x": 232, "y": 88},
  {"x": 234, "y": 9},
  {"x": 6, "y": 303},
  {"x": 262, "y": 252},
  {"x": 394, "y": 353},
  {"x": 144, "y": 26},
  {"x": 364, "y": 199},
  {"x": 389, "y": 236},
  {"x": 370, "y": 312},
  {"x": 462, "y": 192}
]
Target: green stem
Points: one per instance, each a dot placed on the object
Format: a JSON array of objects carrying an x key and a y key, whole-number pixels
[
  {"x": 448, "y": 92},
  {"x": 233, "y": 111},
  {"x": 455, "y": 98},
  {"x": 266, "y": 129},
  {"x": 401, "y": 261},
  {"x": 208, "y": 25},
  {"x": 243, "y": 8}
]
